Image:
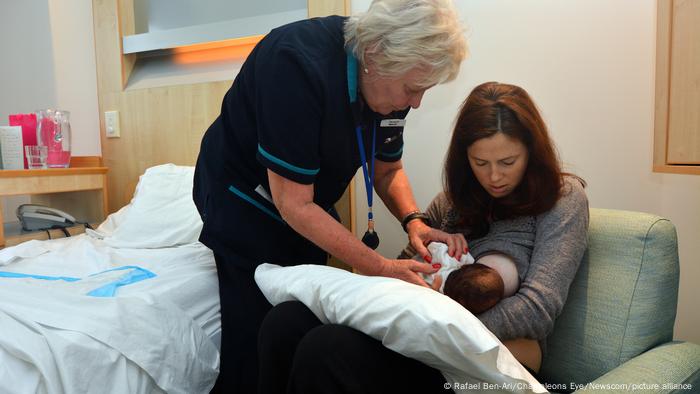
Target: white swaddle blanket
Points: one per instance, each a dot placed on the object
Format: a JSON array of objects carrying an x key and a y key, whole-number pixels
[
  {"x": 412, "y": 320},
  {"x": 438, "y": 252}
]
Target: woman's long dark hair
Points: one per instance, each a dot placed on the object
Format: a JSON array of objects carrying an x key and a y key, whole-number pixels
[{"x": 500, "y": 108}]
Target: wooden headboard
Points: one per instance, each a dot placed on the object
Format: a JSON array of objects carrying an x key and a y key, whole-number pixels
[{"x": 162, "y": 124}]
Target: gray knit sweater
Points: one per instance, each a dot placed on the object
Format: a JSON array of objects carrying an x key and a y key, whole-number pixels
[{"x": 547, "y": 250}]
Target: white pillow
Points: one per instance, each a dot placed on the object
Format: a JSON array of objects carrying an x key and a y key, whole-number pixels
[
  {"x": 161, "y": 213},
  {"x": 414, "y": 321}
]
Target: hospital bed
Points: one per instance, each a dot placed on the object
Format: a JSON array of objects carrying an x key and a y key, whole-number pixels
[{"x": 131, "y": 307}]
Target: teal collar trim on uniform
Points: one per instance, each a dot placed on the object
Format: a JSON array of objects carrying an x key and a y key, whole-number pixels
[{"x": 352, "y": 76}]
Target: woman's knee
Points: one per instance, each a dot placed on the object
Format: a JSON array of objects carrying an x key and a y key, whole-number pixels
[
  {"x": 323, "y": 343},
  {"x": 281, "y": 330},
  {"x": 338, "y": 359},
  {"x": 285, "y": 320},
  {"x": 326, "y": 361},
  {"x": 284, "y": 312}
]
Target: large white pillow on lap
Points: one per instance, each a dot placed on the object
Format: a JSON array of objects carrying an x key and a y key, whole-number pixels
[{"x": 411, "y": 320}]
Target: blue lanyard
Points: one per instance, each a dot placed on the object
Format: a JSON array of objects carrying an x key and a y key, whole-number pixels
[
  {"x": 369, "y": 174},
  {"x": 370, "y": 238}
]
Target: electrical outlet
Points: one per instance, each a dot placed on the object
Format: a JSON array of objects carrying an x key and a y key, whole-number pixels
[{"x": 112, "y": 124}]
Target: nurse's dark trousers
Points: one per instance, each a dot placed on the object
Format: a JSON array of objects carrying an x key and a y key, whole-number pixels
[
  {"x": 243, "y": 308},
  {"x": 300, "y": 355}
]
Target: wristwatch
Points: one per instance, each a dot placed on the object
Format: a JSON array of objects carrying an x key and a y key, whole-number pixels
[{"x": 415, "y": 215}]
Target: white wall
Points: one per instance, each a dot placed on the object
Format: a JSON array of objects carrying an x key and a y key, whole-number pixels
[
  {"x": 48, "y": 61},
  {"x": 75, "y": 71},
  {"x": 26, "y": 68},
  {"x": 26, "y": 64},
  {"x": 589, "y": 65}
]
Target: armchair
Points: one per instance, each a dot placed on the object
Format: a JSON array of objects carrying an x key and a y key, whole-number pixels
[{"x": 616, "y": 328}]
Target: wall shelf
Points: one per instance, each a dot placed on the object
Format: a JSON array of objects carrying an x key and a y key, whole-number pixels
[
  {"x": 14, "y": 235},
  {"x": 80, "y": 190},
  {"x": 210, "y": 32}
]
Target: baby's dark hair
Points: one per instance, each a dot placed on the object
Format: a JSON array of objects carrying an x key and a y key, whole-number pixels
[{"x": 476, "y": 286}]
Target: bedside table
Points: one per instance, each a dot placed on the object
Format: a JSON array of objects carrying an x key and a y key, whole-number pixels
[{"x": 80, "y": 190}]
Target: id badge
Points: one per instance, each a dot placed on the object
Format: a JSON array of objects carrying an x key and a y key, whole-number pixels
[{"x": 392, "y": 123}]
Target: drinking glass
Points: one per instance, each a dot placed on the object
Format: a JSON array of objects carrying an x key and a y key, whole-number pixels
[{"x": 36, "y": 156}]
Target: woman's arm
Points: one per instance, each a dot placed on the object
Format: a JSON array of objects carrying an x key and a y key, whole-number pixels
[
  {"x": 526, "y": 351},
  {"x": 436, "y": 211},
  {"x": 295, "y": 203},
  {"x": 393, "y": 187},
  {"x": 560, "y": 241}
]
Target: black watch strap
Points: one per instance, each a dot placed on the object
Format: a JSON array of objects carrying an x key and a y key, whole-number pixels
[{"x": 412, "y": 216}]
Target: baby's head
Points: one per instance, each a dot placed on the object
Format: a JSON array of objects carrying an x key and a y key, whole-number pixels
[{"x": 476, "y": 286}]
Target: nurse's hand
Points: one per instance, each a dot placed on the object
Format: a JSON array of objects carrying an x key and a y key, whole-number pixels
[
  {"x": 407, "y": 270},
  {"x": 420, "y": 235}
]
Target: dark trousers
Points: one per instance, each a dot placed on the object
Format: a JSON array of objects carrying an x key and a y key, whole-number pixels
[
  {"x": 299, "y": 354},
  {"x": 243, "y": 308}
]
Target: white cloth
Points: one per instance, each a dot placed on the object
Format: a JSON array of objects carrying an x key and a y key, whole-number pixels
[
  {"x": 156, "y": 335},
  {"x": 438, "y": 252},
  {"x": 24, "y": 250},
  {"x": 411, "y": 320},
  {"x": 58, "y": 331}
]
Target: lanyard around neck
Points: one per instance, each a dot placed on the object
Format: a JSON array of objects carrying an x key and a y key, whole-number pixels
[
  {"x": 368, "y": 172},
  {"x": 370, "y": 238}
]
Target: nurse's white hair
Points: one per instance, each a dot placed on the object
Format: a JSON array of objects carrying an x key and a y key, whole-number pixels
[{"x": 399, "y": 35}]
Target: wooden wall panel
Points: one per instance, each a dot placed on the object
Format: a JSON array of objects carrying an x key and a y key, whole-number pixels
[
  {"x": 684, "y": 109},
  {"x": 328, "y": 7},
  {"x": 677, "y": 120},
  {"x": 663, "y": 63}
]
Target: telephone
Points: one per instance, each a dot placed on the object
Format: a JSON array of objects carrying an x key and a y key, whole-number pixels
[{"x": 38, "y": 217}]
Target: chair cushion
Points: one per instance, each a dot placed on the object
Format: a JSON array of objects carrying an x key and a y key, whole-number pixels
[
  {"x": 673, "y": 367},
  {"x": 622, "y": 301}
]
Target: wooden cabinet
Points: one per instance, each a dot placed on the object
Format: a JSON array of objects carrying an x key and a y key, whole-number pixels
[
  {"x": 81, "y": 190},
  {"x": 677, "y": 110}
]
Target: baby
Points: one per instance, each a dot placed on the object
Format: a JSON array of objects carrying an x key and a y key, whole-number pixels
[{"x": 477, "y": 286}]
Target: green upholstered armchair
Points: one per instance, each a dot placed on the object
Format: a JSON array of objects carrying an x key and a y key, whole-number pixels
[{"x": 616, "y": 328}]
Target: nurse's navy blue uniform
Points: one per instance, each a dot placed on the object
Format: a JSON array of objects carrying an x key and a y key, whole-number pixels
[{"x": 293, "y": 109}]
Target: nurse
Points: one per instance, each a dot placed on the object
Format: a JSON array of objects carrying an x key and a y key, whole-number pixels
[{"x": 314, "y": 101}]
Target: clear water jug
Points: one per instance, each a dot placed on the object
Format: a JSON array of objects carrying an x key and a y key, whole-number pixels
[{"x": 53, "y": 132}]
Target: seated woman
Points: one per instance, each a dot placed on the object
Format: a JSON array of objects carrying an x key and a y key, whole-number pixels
[{"x": 505, "y": 190}]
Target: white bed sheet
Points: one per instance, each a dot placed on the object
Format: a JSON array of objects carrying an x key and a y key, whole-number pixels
[{"x": 50, "y": 352}]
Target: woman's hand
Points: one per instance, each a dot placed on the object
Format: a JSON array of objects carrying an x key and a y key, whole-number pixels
[
  {"x": 407, "y": 270},
  {"x": 420, "y": 235}
]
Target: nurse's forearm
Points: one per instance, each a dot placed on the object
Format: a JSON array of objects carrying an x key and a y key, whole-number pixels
[
  {"x": 295, "y": 203},
  {"x": 311, "y": 221},
  {"x": 393, "y": 187}
]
